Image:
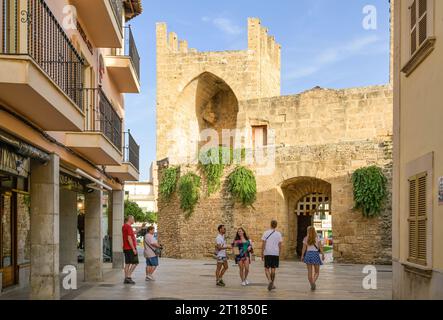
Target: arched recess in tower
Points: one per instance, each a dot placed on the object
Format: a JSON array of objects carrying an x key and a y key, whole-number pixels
[{"x": 207, "y": 102}]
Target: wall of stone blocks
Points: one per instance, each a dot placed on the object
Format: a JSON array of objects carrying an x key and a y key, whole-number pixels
[{"x": 321, "y": 135}]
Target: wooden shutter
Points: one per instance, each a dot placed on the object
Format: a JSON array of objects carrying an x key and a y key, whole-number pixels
[
  {"x": 259, "y": 136},
  {"x": 419, "y": 24},
  {"x": 417, "y": 221}
]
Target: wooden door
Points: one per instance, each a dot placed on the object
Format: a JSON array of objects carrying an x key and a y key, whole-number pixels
[{"x": 7, "y": 259}]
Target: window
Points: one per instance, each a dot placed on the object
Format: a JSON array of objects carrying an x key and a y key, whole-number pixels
[
  {"x": 417, "y": 221},
  {"x": 419, "y": 23},
  {"x": 421, "y": 33},
  {"x": 259, "y": 136}
]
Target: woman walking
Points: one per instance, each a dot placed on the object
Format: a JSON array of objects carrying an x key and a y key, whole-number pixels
[
  {"x": 243, "y": 248},
  {"x": 312, "y": 248}
]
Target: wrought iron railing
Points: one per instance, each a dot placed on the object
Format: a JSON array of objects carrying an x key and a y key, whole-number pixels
[
  {"x": 131, "y": 151},
  {"x": 45, "y": 42},
  {"x": 102, "y": 117},
  {"x": 131, "y": 50},
  {"x": 118, "y": 8}
]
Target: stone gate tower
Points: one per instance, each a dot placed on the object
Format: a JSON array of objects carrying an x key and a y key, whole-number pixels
[
  {"x": 320, "y": 137},
  {"x": 187, "y": 80}
]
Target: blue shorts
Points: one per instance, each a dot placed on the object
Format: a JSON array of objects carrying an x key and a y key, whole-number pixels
[{"x": 152, "y": 262}]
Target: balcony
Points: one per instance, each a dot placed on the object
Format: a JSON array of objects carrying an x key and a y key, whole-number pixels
[
  {"x": 101, "y": 142},
  {"x": 123, "y": 65},
  {"x": 129, "y": 170},
  {"x": 41, "y": 72},
  {"x": 103, "y": 20}
]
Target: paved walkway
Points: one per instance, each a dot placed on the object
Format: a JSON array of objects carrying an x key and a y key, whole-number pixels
[{"x": 191, "y": 279}]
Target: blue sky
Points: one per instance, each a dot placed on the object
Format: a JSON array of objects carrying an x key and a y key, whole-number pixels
[{"x": 323, "y": 44}]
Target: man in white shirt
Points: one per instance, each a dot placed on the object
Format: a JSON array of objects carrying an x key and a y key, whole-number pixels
[
  {"x": 222, "y": 257},
  {"x": 271, "y": 248}
]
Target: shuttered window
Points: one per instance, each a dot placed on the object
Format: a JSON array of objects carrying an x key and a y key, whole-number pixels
[
  {"x": 259, "y": 136},
  {"x": 419, "y": 24},
  {"x": 417, "y": 221}
]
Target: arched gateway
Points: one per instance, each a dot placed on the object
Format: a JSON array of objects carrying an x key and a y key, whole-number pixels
[{"x": 308, "y": 202}]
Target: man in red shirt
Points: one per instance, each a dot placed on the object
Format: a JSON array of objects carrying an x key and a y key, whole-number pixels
[{"x": 130, "y": 249}]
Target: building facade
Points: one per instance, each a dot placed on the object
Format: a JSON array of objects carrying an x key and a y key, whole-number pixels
[
  {"x": 65, "y": 152},
  {"x": 143, "y": 193},
  {"x": 418, "y": 150},
  {"x": 316, "y": 140}
]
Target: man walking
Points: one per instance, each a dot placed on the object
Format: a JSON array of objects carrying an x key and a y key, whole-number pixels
[
  {"x": 271, "y": 248},
  {"x": 129, "y": 249},
  {"x": 222, "y": 258}
]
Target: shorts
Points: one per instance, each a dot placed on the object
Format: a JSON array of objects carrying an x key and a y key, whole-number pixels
[
  {"x": 272, "y": 262},
  {"x": 152, "y": 262},
  {"x": 222, "y": 259},
  {"x": 130, "y": 257}
]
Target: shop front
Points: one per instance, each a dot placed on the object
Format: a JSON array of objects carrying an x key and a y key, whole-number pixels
[{"x": 15, "y": 220}]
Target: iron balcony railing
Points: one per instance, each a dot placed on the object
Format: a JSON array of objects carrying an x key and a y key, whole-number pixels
[
  {"x": 118, "y": 8},
  {"x": 131, "y": 50},
  {"x": 102, "y": 117},
  {"x": 131, "y": 151},
  {"x": 28, "y": 27}
]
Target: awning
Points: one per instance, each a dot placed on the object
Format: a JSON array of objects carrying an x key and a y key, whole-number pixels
[{"x": 24, "y": 149}]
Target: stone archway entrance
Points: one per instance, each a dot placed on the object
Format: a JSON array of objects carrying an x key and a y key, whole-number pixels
[
  {"x": 308, "y": 202},
  {"x": 313, "y": 209}
]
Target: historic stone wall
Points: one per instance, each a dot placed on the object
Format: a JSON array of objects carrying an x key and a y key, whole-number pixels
[
  {"x": 251, "y": 73},
  {"x": 321, "y": 137}
]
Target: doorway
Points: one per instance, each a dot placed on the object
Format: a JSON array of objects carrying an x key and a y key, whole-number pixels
[
  {"x": 7, "y": 239},
  {"x": 315, "y": 210}
]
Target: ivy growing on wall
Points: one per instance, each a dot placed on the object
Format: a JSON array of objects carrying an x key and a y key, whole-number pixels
[
  {"x": 168, "y": 182},
  {"x": 370, "y": 190},
  {"x": 243, "y": 186},
  {"x": 213, "y": 162},
  {"x": 189, "y": 192}
]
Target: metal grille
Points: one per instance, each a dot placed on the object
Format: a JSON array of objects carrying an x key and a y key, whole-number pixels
[
  {"x": 47, "y": 44},
  {"x": 131, "y": 50},
  {"x": 102, "y": 117},
  {"x": 131, "y": 150}
]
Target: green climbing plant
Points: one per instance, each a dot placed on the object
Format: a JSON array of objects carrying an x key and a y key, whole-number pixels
[
  {"x": 189, "y": 192},
  {"x": 168, "y": 182},
  {"x": 243, "y": 186},
  {"x": 213, "y": 162},
  {"x": 370, "y": 190}
]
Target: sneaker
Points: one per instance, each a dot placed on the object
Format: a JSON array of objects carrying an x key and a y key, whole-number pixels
[
  {"x": 223, "y": 284},
  {"x": 127, "y": 281},
  {"x": 243, "y": 283},
  {"x": 312, "y": 286},
  {"x": 150, "y": 277},
  {"x": 270, "y": 286},
  {"x": 247, "y": 282},
  {"x": 147, "y": 279},
  {"x": 220, "y": 283}
]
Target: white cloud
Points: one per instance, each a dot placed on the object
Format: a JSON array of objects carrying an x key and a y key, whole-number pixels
[
  {"x": 330, "y": 56},
  {"x": 225, "y": 25}
]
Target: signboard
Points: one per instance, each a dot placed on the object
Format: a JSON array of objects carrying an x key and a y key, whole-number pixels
[
  {"x": 440, "y": 191},
  {"x": 13, "y": 163},
  {"x": 70, "y": 183}
]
